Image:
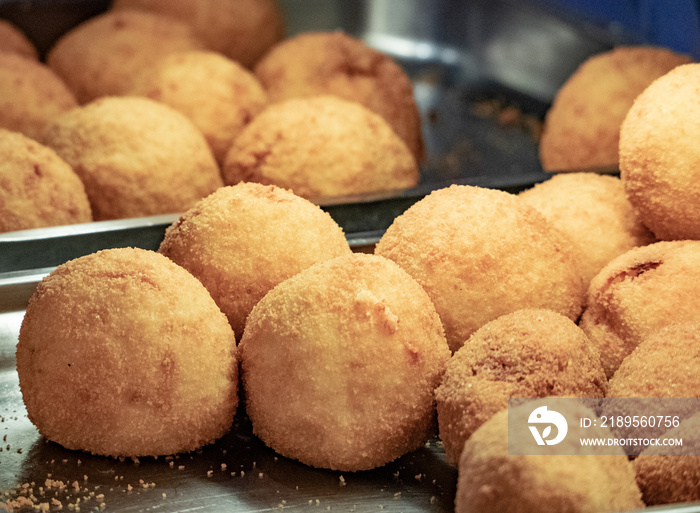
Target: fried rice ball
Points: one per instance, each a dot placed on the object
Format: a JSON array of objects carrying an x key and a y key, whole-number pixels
[
  {"x": 37, "y": 188},
  {"x": 665, "y": 364},
  {"x": 528, "y": 353},
  {"x": 334, "y": 63},
  {"x": 101, "y": 56},
  {"x": 582, "y": 128},
  {"x": 659, "y": 156},
  {"x": 240, "y": 29},
  {"x": 482, "y": 253},
  {"x": 319, "y": 147},
  {"x": 136, "y": 157},
  {"x": 217, "y": 94},
  {"x": 491, "y": 479},
  {"x": 670, "y": 474},
  {"x": 13, "y": 40},
  {"x": 339, "y": 364},
  {"x": 243, "y": 240},
  {"x": 592, "y": 210},
  {"x": 124, "y": 353},
  {"x": 638, "y": 293},
  {"x": 31, "y": 95}
]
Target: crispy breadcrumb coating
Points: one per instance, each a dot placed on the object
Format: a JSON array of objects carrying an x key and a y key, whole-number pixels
[
  {"x": 529, "y": 353},
  {"x": 638, "y": 293},
  {"x": 240, "y": 29},
  {"x": 321, "y": 147},
  {"x": 593, "y": 212},
  {"x": 217, "y": 94},
  {"x": 659, "y": 155},
  {"x": 31, "y": 95},
  {"x": 340, "y": 362},
  {"x": 582, "y": 128},
  {"x": 670, "y": 474},
  {"x": 482, "y": 253},
  {"x": 491, "y": 479},
  {"x": 101, "y": 56},
  {"x": 136, "y": 157},
  {"x": 37, "y": 188},
  {"x": 124, "y": 353},
  {"x": 243, "y": 240},
  {"x": 320, "y": 63}
]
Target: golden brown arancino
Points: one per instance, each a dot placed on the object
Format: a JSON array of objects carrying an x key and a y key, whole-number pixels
[
  {"x": 482, "y": 253},
  {"x": 37, "y": 188},
  {"x": 321, "y": 63},
  {"x": 136, "y": 157},
  {"x": 528, "y": 353},
  {"x": 123, "y": 353},
  {"x": 638, "y": 293},
  {"x": 243, "y": 240},
  {"x": 339, "y": 364}
]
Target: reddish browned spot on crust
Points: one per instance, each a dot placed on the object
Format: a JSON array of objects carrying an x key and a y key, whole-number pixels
[{"x": 633, "y": 272}]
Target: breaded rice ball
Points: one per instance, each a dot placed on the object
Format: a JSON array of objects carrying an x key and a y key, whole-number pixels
[
  {"x": 482, "y": 253},
  {"x": 340, "y": 362},
  {"x": 37, "y": 188},
  {"x": 31, "y": 95},
  {"x": 240, "y": 29},
  {"x": 101, "y": 56},
  {"x": 13, "y": 40},
  {"x": 491, "y": 479},
  {"x": 243, "y": 240},
  {"x": 320, "y": 147},
  {"x": 217, "y": 94},
  {"x": 638, "y": 293},
  {"x": 670, "y": 474},
  {"x": 136, "y": 157},
  {"x": 592, "y": 210},
  {"x": 582, "y": 128},
  {"x": 659, "y": 155},
  {"x": 665, "y": 364},
  {"x": 528, "y": 353},
  {"x": 124, "y": 353},
  {"x": 320, "y": 63}
]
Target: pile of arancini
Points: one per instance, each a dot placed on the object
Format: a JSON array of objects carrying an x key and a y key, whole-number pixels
[
  {"x": 345, "y": 359},
  {"x": 145, "y": 102}
]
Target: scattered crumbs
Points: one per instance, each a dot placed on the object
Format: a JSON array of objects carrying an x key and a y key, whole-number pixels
[
  {"x": 7, "y": 447},
  {"x": 171, "y": 463},
  {"x": 210, "y": 473},
  {"x": 275, "y": 459},
  {"x": 432, "y": 499},
  {"x": 100, "y": 497},
  {"x": 223, "y": 467},
  {"x": 169, "y": 458},
  {"x": 280, "y": 506},
  {"x": 19, "y": 451},
  {"x": 418, "y": 477},
  {"x": 4, "y": 438},
  {"x": 381, "y": 506},
  {"x": 318, "y": 501},
  {"x": 328, "y": 508},
  {"x": 152, "y": 485},
  {"x": 397, "y": 495},
  {"x": 224, "y": 452},
  {"x": 396, "y": 474},
  {"x": 311, "y": 501},
  {"x": 85, "y": 478},
  {"x": 116, "y": 478},
  {"x": 233, "y": 474},
  {"x": 255, "y": 464},
  {"x": 296, "y": 487},
  {"x": 102, "y": 505},
  {"x": 136, "y": 461},
  {"x": 342, "y": 481},
  {"x": 181, "y": 467},
  {"x": 434, "y": 481},
  {"x": 129, "y": 488},
  {"x": 260, "y": 475},
  {"x": 65, "y": 461},
  {"x": 163, "y": 495},
  {"x": 80, "y": 462},
  {"x": 75, "y": 486},
  {"x": 242, "y": 473}
]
